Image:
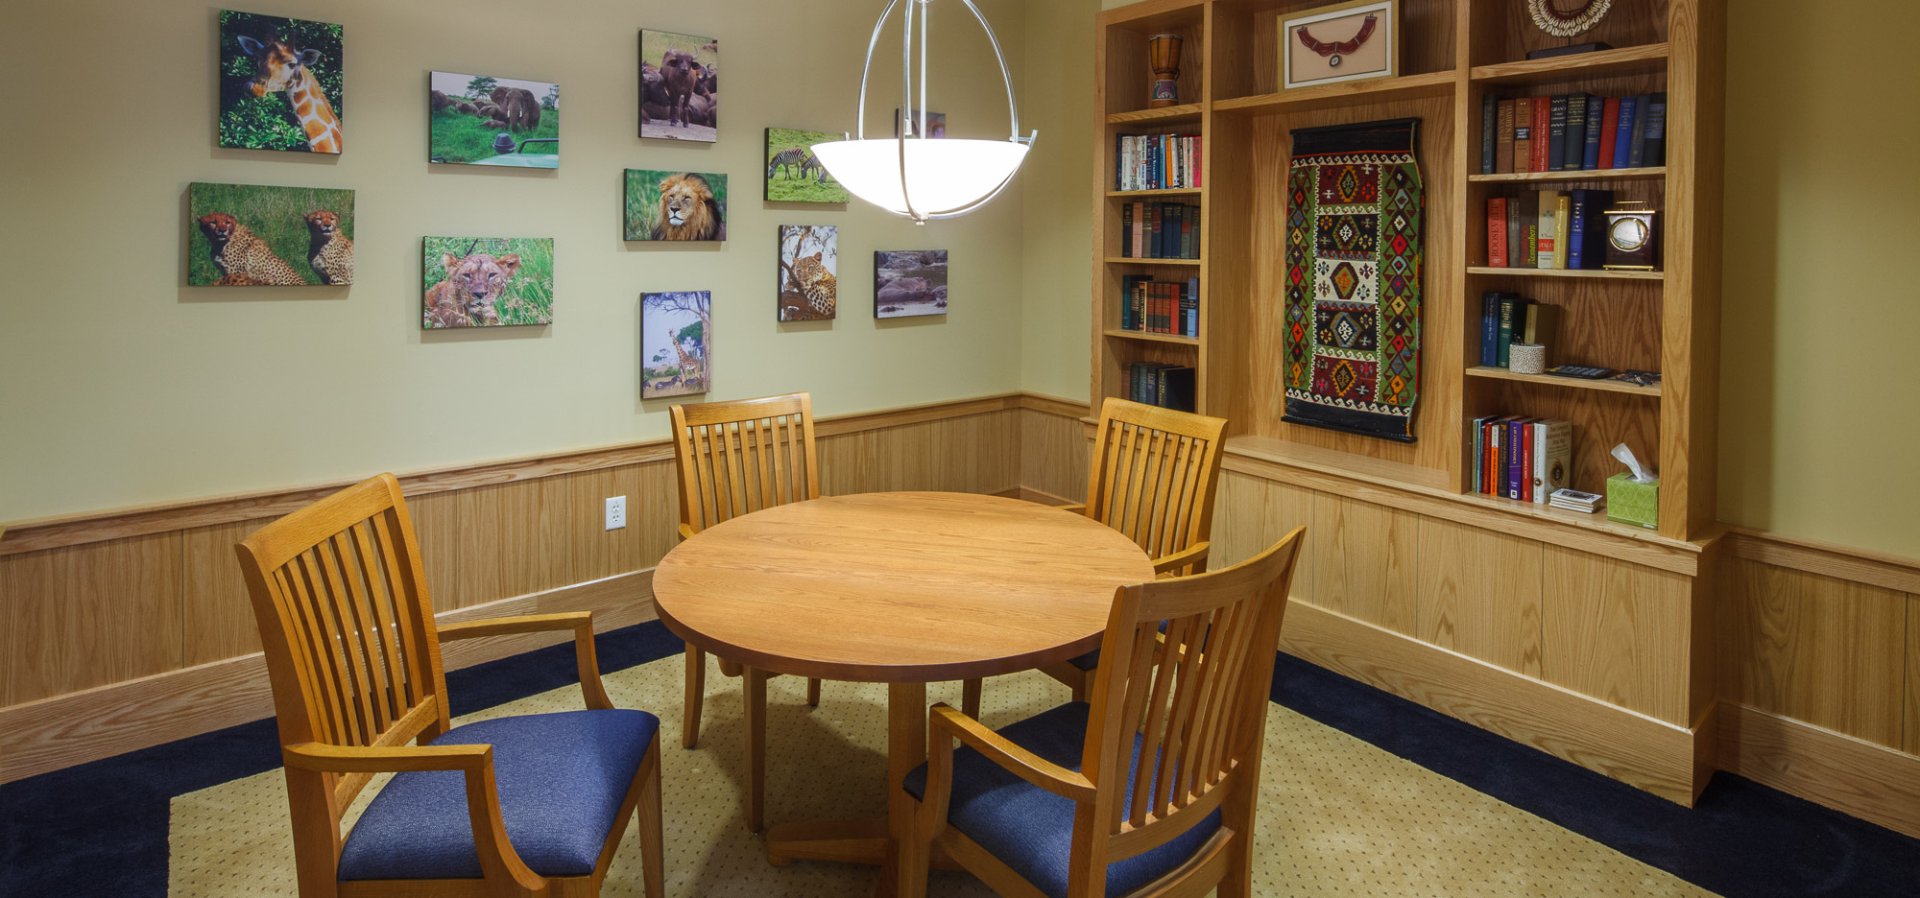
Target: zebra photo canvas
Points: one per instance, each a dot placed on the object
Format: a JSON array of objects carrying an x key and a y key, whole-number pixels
[
  {"x": 908, "y": 283},
  {"x": 675, "y": 330},
  {"x": 809, "y": 260},
  {"x": 679, "y": 86},
  {"x": 280, "y": 84},
  {"x": 483, "y": 120},
  {"x": 486, "y": 281},
  {"x": 794, "y": 175},
  {"x": 245, "y": 235}
]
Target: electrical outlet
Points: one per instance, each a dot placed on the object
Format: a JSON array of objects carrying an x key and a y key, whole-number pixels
[{"x": 616, "y": 512}]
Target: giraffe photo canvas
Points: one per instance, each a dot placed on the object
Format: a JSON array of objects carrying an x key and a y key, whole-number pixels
[
  {"x": 280, "y": 84},
  {"x": 809, "y": 262},
  {"x": 246, "y": 235},
  {"x": 679, "y": 86},
  {"x": 486, "y": 281},
  {"x": 675, "y": 332},
  {"x": 484, "y": 120}
]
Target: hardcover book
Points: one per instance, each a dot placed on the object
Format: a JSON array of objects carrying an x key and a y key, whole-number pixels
[
  {"x": 1557, "y": 123},
  {"x": 1503, "y": 138},
  {"x": 1523, "y": 134},
  {"x": 1609, "y": 127},
  {"x": 1497, "y": 232},
  {"x": 1576, "y": 145},
  {"x": 1542, "y": 120},
  {"x": 1590, "y": 150},
  {"x": 1623, "y": 131},
  {"x": 1656, "y": 148}
]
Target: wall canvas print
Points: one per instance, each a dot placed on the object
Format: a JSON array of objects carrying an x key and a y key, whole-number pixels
[
  {"x": 483, "y": 120},
  {"x": 675, "y": 332},
  {"x": 794, "y": 175},
  {"x": 679, "y": 86},
  {"x": 936, "y": 122},
  {"x": 280, "y": 84},
  {"x": 908, "y": 283},
  {"x": 669, "y": 205},
  {"x": 486, "y": 281},
  {"x": 1343, "y": 42},
  {"x": 809, "y": 260},
  {"x": 245, "y": 235}
]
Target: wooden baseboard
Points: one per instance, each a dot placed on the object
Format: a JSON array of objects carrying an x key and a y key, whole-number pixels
[
  {"x": 46, "y": 735},
  {"x": 1869, "y": 781},
  {"x": 1634, "y": 748}
]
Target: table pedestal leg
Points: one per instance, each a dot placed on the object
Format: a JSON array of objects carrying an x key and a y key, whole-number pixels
[{"x": 754, "y": 685}]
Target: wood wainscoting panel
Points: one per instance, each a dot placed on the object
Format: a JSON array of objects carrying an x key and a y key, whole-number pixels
[
  {"x": 508, "y": 542},
  {"x": 1618, "y": 632},
  {"x": 1479, "y": 594},
  {"x": 1816, "y": 649},
  {"x": 85, "y": 616},
  {"x": 1367, "y": 561},
  {"x": 216, "y": 615},
  {"x": 1252, "y": 513},
  {"x": 1053, "y": 454},
  {"x": 436, "y": 524},
  {"x": 1850, "y": 775},
  {"x": 1913, "y": 676}
]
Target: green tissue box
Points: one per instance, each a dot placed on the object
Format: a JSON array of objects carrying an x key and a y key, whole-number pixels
[{"x": 1630, "y": 502}]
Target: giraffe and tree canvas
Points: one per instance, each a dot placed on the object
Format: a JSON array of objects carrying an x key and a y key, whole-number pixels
[
  {"x": 676, "y": 330},
  {"x": 280, "y": 84}
]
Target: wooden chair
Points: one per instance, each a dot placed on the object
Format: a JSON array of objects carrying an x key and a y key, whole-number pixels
[
  {"x": 1151, "y": 790},
  {"x": 735, "y": 458},
  {"x": 531, "y": 805},
  {"x": 1153, "y": 477}
]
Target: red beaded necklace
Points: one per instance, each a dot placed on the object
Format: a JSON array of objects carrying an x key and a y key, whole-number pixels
[{"x": 1333, "y": 50}]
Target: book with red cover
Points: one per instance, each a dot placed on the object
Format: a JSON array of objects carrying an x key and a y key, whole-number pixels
[
  {"x": 1609, "y": 130},
  {"x": 1542, "y": 123},
  {"x": 1503, "y": 140},
  {"x": 1526, "y": 463},
  {"x": 1522, "y": 135},
  {"x": 1497, "y": 232}
]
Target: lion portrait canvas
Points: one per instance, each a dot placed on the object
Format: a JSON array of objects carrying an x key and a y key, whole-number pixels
[{"x": 666, "y": 205}]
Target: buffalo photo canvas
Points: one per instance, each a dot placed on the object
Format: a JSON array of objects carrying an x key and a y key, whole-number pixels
[
  {"x": 486, "y": 281},
  {"x": 794, "y": 174},
  {"x": 675, "y": 330},
  {"x": 246, "y": 235},
  {"x": 679, "y": 86},
  {"x": 809, "y": 260},
  {"x": 280, "y": 84},
  {"x": 909, "y": 283},
  {"x": 674, "y": 205},
  {"x": 483, "y": 120}
]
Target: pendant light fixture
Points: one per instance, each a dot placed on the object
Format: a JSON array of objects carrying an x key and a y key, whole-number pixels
[{"x": 914, "y": 175}]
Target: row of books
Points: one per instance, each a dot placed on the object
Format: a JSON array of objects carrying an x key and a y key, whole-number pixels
[
  {"x": 1506, "y": 319},
  {"x": 1167, "y": 386},
  {"x": 1160, "y": 307},
  {"x": 1548, "y": 229},
  {"x": 1517, "y": 457},
  {"x": 1572, "y": 132},
  {"x": 1160, "y": 230},
  {"x": 1156, "y": 161}
]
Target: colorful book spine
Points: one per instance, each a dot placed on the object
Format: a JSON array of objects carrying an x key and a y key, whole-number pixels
[
  {"x": 1526, "y": 462},
  {"x": 1596, "y": 123},
  {"x": 1562, "y": 225},
  {"x": 1557, "y": 112},
  {"x": 1609, "y": 128},
  {"x": 1191, "y": 306},
  {"x": 1552, "y": 458},
  {"x": 1548, "y": 203},
  {"x": 1523, "y": 134},
  {"x": 1516, "y": 235},
  {"x": 1503, "y": 336},
  {"x": 1503, "y": 138},
  {"x": 1489, "y": 130},
  {"x": 1497, "y": 232},
  {"x": 1516, "y": 429},
  {"x": 1542, "y": 133},
  {"x": 1637, "y": 148},
  {"x": 1575, "y": 147},
  {"x": 1490, "y": 329},
  {"x": 1623, "y": 131}
]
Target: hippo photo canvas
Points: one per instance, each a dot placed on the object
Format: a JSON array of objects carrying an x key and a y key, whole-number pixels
[
  {"x": 679, "y": 86},
  {"x": 908, "y": 283}
]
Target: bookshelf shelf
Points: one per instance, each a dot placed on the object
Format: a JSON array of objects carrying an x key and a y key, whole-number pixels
[
  {"x": 1185, "y": 112},
  {"x": 1145, "y": 337},
  {"x": 1640, "y": 60},
  {"x": 1596, "y": 274},
  {"x": 1150, "y": 194},
  {"x": 1562, "y": 177},
  {"x": 1129, "y": 260},
  {"x": 1377, "y": 90},
  {"x": 1571, "y": 383}
]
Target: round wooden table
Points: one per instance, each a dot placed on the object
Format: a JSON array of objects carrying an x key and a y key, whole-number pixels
[{"x": 900, "y": 588}]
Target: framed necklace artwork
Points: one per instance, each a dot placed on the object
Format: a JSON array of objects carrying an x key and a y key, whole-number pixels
[{"x": 1344, "y": 42}]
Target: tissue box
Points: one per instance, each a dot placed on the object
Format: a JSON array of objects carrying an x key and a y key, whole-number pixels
[{"x": 1632, "y": 502}]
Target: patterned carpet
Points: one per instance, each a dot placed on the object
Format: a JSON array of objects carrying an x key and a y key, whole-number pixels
[{"x": 1338, "y": 816}]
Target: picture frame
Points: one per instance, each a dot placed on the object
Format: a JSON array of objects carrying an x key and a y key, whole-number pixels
[
  {"x": 673, "y": 205},
  {"x": 492, "y": 121},
  {"x": 679, "y": 86},
  {"x": 486, "y": 282},
  {"x": 1343, "y": 42},
  {"x": 251, "y": 235},
  {"x": 676, "y": 331},
  {"x": 909, "y": 283},
  {"x": 795, "y": 175},
  {"x": 808, "y": 275},
  {"x": 281, "y": 84}
]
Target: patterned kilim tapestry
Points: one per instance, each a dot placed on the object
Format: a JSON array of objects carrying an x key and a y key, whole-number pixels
[{"x": 1354, "y": 209}]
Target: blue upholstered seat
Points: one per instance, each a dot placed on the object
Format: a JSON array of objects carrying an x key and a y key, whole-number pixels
[
  {"x": 1031, "y": 829},
  {"x": 561, "y": 778}
]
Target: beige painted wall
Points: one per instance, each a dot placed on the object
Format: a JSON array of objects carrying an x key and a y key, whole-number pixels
[
  {"x": 119, "y": 387},
  {"x": 1057, "y": 276}
]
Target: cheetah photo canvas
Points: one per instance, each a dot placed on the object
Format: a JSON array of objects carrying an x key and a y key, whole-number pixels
[
  {"x": 486, "y": 281},
  {"x": 674, "y": 205},
  {"x": 679, "y": 86},
  {"x": 794, "y": 175},
  {"x": 280, "y": 84},
  {"x": 483, "y": 120},
  {"x": 809, "y": 262},
  {"x": 245, "y": 235},
  {"x": 675, "y": 332}
]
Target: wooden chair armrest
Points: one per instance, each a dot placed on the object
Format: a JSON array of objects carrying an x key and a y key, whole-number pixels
[
  {"x": 498, "y": 860},
  {"x": 949, "y": 724},
  {"x": 686, "y": 531},
  {"x": 585, "y": 657},
  {"x": 1191, "y": 555}
]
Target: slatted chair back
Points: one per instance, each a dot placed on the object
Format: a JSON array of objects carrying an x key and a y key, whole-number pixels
[
  {"x": 1195, "y": 694},
  {"x": 1153, "y": 476},
  {"x": 738, "y": 457},
  {"x": 347, "y": 626}
]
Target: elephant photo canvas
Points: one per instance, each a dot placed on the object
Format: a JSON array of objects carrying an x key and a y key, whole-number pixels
[{"x": 484, "y": 120}]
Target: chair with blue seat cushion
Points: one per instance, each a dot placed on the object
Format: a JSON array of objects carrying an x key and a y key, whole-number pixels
[
  {"x": 529, "y": 805},
  {"x": 1151, "y": 788}
]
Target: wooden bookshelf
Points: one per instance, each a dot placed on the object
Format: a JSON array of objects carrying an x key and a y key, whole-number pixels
[
  {"x": 1593, "y": 274},
  {"x": 1569, "y": 383},
  {"x": 1653, "y": 173}
]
